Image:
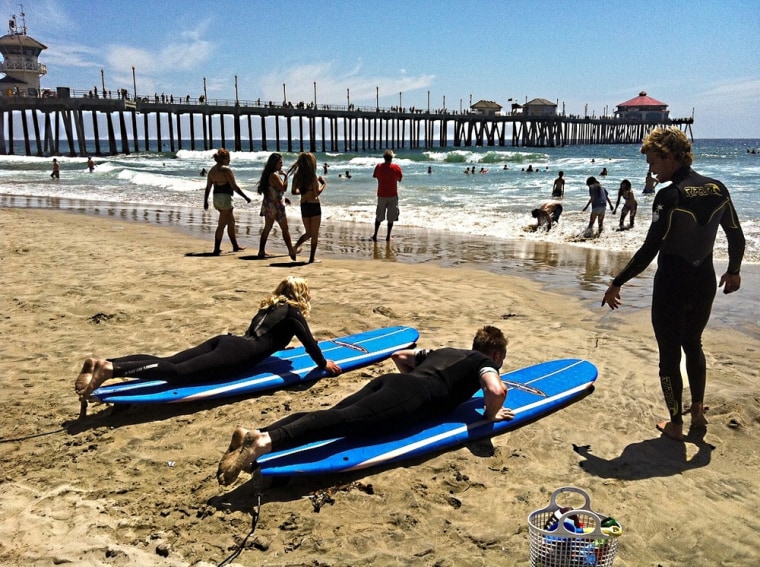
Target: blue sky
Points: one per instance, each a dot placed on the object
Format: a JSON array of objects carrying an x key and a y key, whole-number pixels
[{"x": 697, "y": 56}]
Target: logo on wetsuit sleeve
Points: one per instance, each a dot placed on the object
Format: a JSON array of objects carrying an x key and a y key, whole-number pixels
[
  {"x": 656, "y": 213},
  {"x": 702, "y": 191}
]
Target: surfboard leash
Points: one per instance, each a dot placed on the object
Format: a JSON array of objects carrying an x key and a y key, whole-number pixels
[{"x": 255, "y": 513}]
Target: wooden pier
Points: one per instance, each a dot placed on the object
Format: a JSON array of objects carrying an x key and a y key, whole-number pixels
[{"x": 58, "y": 125}]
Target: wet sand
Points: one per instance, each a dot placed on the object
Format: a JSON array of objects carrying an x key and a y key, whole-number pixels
[{"x": 125, "y": 488}]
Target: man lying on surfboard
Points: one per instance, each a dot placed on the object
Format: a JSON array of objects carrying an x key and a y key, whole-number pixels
[
  {"x": 430, "y": 383},
  {"x": 282, "y": 315}
]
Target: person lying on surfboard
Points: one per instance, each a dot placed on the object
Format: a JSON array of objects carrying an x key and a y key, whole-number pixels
[
  {"x": 282, "y": 315},
  {"x": 429, "y": 383}
]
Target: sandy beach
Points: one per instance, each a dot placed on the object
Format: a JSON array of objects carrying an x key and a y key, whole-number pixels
[{"x": 138, "y": 487}]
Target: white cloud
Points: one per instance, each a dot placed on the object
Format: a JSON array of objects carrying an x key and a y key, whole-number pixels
[{"x": 335, "y": 86}]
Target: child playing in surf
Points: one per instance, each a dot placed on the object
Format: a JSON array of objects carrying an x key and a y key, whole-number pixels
[{"x": 629, "y": 203}]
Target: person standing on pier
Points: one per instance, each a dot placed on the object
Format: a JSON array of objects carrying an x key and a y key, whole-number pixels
[
  {"x": 223, "y": 180},
  {"x": 388, "y": 175},
  {"x": 273, "y": 184}
]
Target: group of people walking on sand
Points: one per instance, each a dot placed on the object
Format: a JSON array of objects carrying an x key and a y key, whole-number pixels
[
  {"x": 686, "y": 216},
  {"x": 273, "y": 186}
]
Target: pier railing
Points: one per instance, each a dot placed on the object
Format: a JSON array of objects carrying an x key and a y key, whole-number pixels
[{"x": 118, "y": 122}]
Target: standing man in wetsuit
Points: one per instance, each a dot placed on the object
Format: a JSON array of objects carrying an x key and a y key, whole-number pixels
[
  {"x": 685, "y": 219},
  {"x": 388, "y": 175}
]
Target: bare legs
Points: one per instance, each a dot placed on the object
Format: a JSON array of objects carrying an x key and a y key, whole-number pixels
[
  {"x": 268, "y": 224},
  {"x": 245, "y": 447},
  {"x": 311, "y": 226},
  {"x": 226, "y": 220},
  {"x": 387, "y": 234}
]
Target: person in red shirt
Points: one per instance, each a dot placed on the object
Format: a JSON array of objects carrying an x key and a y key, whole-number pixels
[{"x": 388, "y": 175}]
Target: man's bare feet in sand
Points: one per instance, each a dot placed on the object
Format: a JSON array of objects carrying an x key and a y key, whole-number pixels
[
  {"x": 672, "y": 430},
  {"x": 94, "y": 372},
  {"x": 85, "y": 376},
  {"x": 239, "y": 456},
  {"x": 698, "y": 419}
]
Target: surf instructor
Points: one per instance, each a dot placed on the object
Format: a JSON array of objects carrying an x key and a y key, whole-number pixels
[
  {"x": 685, "y": 219},
  {"x": 430, "y": 383},
  {"x": 282, "y": 316}
]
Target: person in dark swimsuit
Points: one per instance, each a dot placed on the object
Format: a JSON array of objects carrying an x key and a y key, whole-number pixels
[
  {"x": 223, "y": 180},
  {"x": 685, "y": 219},
  {"x": 430, "y": 383},
  {"x": 280, "y": 318},
  {"x": 310, "y": 186}
]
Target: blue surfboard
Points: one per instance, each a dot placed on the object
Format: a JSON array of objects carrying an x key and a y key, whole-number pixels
[
  {"x": 284, "y": 368},
  {"x": 533, "y": 392}
]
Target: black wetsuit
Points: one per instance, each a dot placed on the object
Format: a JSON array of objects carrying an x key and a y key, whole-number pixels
[
  {"x": 685, "y": 220},
  {"x": 442, "y": 380},
  {"x": 224, "y": 356}
]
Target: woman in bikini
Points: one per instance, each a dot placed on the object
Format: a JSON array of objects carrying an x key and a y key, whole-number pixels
[
  {"x": 307, "y": 184},
  {"x": 223, "y": 181}
]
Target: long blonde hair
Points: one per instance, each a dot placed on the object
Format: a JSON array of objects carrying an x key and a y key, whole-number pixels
[
  {"x": 306, "y": 173},
  {"x": 294, "y": 291}
]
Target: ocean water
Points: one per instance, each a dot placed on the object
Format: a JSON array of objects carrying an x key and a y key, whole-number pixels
[{"x": 495, "y": 204}]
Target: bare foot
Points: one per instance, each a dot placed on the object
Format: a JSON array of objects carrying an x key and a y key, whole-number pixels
[
  {"x": 239, "y": 456},
  {"x": 102, "y": 370},
  {"x": 698, "y": 418},
  {"x": 85, "y": 376},
  {"x": 672, "y": 430},
  {"x": 238, "y": 248}
]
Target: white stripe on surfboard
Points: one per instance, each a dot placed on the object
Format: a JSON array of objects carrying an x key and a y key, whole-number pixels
[
  {"x": 459, "y": 430},
  {"x": 543, "y": 376},
  {"x": 272, "y": 377}
]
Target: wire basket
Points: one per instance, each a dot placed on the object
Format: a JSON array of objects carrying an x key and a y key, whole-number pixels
[{"x": 562, "y": 536}]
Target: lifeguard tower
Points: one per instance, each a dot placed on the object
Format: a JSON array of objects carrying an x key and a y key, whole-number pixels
[{"x": 20, "y": 65}]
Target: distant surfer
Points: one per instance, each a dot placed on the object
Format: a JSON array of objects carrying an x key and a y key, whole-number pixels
[
  {"x": 56, "y": 174},
  {"x": 281, "y": 316},
  {"x": 430, "y": 383}
]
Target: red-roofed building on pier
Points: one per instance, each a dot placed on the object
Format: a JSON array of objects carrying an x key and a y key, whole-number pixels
[{"x": 643, "y": 107}]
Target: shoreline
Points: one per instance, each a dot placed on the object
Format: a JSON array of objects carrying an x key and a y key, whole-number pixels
[
  {"x": 578, "y": 270},
  {"x": 137, "y": 486}
]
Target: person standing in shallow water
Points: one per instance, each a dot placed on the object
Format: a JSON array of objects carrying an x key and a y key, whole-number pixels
[
  {"x": 388, "y": 175},
  {"x": 685, "y": 219},
  {"x": 220, "y": 176}
]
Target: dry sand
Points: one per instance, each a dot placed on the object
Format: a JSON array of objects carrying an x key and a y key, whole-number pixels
[{"x": 124, "y": 488}]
